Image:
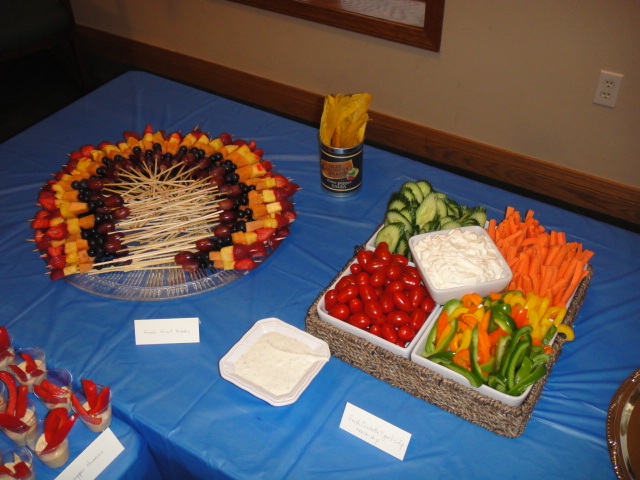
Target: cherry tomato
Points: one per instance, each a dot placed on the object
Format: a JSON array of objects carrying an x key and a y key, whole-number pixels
[
  {"x": 367, "y": 292},
  {"x": 396, "y": 257},
  {"x": 378, "y": 278},
  {"x": 386, "y": 302},
  {"x": 398, "y": 318},
  {"x": 372, "y": 309},
  {"x": 395, "y": 286},
  {"x": 362, "y": 278},
  {"x": 400, "y": 300},
  {"x": 416, "y": 295},
  {"x": 356, "y": 305},
  {"x": 418, "y": 317},
  {"x": 383, "y": 255},
  {"x": 376, "y": 330},
  {"x": 330, "y": 299},
  {"x": 389, "y": 332},
  {"x": 427, "y": 304},
  {"x": 394, "y": 271},
  {"x": 344, "y": 281},
  {"x": 340, "y": 311},
  {"x": 364, "y": 256},
  {"x": 355, "y": 268},
  {"x": 347, "y": 293},
  {"x": 410, "y": 280},
  {"x": 413, "y": 271},
  {"x": 359, "y": 320},
  {"x": 381, "y": 247},
  {"x": 375, "y": 264},
  {"x": 406, "y": 333}
]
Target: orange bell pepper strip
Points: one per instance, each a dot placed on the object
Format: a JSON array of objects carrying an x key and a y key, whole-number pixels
[
  {"x": 462, "y": 358},
  {"x": 443, "y": 321}
]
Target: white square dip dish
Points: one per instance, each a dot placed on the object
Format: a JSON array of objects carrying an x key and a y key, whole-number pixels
[{"x": 274, "y": 361}]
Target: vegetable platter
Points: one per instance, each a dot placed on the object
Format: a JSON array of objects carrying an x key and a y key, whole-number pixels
[{"x": 503, "y": 359}]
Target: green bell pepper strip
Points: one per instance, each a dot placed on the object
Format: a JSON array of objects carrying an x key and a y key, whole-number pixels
[
  {"x": 501, "y": 347},
  {"x": 473, "y": 379},
  {"x": 442, "y": 358},
  {"x": 538, "y": 359},
  {"x": 515, "y": 338},
  {"x": 515, "y": 360},
  {"x": 549, "y": 335},
  {"x": 451, "y": 305},
  {"x": 497, "y": 382},
  {"x": 489, "y": 366},
  {"x": 473, "y": 354},
  {"x": 444, "y": 342},
  {"x": 504, "y": 321},
  {"x": 524, "y": 370},
  {"x": 539, "y": 372},
  {"x": 430, "y": 346}
]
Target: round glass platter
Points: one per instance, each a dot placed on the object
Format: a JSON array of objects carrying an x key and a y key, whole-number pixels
[
  {"x": 158, "y": 284},
  {"x": 623, "y": 428}
]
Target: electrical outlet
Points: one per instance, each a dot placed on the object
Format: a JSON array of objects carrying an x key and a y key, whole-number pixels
[{"x": 608, "y": 88}]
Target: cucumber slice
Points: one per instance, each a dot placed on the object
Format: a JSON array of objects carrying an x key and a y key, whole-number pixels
[
  {"x": 453, "y": 209},
  {"x": 425, "y": 187},
  {"x": 397, "y": 202},
  {"x": 391, "y": 234},
  {"x": 415, "y": 189},
  {"x": 426, "y": 211},
  {"x": 449, "y": 225},
  {"x": 408, "y": 194},
  {"x": 402, "y": 247},
  {"x": 394, "y": 216},
  {"x": 409, "y": 214},
  {"x": 479, "y": 213},
  {"x": 441, "y": 207}
]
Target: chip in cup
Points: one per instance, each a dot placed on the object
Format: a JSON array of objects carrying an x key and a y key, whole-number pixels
[{"x": 344, "y": 119}]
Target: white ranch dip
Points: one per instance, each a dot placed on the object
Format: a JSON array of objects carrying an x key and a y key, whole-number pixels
[
  {"x": 458, "y": 257},
  {"x": 276, "y": 363}
]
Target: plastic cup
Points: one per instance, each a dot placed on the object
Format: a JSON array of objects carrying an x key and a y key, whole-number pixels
[
  {"x": 11, "y": 457},
  {"x": 19, "y": 434},
  {"x": 36, "y": 442},
  {"x": 97, "y": 421},
  {"x": 63, "y": 379},
  {"x": 33, "y": 377}
]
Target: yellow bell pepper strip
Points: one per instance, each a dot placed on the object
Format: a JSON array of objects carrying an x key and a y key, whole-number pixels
[
  {"x": 465, "y": 340},
  {"x": 567, "y": 331},
  {"x": 447, "y": 335}
]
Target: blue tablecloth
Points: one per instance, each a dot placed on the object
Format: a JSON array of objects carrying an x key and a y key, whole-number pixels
[{"x": 197, "y": 424}]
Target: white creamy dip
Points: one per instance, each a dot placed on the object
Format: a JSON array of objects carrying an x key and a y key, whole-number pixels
[
  {"x": 275, "y": 362},
  {"x": 457, "y": 258}
]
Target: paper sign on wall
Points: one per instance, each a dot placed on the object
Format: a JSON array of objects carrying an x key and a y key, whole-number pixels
[
  {"x": 167, "y": 330},
  {"x": 94, "y": 459},
  {"x": 375, "y": 431}
]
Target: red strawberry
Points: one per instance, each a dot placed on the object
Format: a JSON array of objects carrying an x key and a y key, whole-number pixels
[
  {"x": 239, "y": 142},
  {"x": 40, "y": 223},
  {"x": 58, "y": 232},
  {"x": 47, "y": 200},
  {"x": 281, "y": 181},
  {"x": 226, "y": 139},
  {"x": 267, "y": 165},
  {"x": 240, "y": 252},
  {"x": 258, "y": 152},
  {"x": 291, "y": 188},
  {"x": 55, "y": 251},
  {"x": 257, "y": 249},
  {"x": 245, "y": 264},
  {"x": 86, "y": 150},
  {"x": 286, "y": 206},
  {"x": 56, "y": 274},
  {"x": 280, "y": 193},
  {"x": 128, "y": 134},
  {"x": 290, "y": 215},
  {"x": 58, "y": 261},
  {"x": 264, "y": 233}
]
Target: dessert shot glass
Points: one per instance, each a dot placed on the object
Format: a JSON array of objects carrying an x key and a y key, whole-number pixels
[
  {"x": 31, "y": 366},
  {"x": 100, "y": 418},
  {"x": 27, "y": 423},
  {"x": 54, "y": 458},
  {"x": 7, "y": 352},
  {"x": 55, "y": 389},
  {"x": 18, "y": 461}
]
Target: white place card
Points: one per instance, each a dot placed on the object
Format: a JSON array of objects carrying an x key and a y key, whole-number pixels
[
  {"x": 167, "y": 330},
  {"x": 375, "y": 431},
  {"x": 94, "y": 459}
]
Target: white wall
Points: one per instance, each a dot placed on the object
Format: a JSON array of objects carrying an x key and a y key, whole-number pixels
[{"x": 515, "y": 74}]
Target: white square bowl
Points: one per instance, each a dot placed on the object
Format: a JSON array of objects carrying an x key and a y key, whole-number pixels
[
  {"x": 319, "y": 347},
  {"x": 416, "y": 357},
  {"x": 358, "y": 332},
  {"x": 442, "y": 295}
]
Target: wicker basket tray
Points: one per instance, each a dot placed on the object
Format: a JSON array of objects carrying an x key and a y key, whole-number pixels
[{"x": 432, "y": 387}]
